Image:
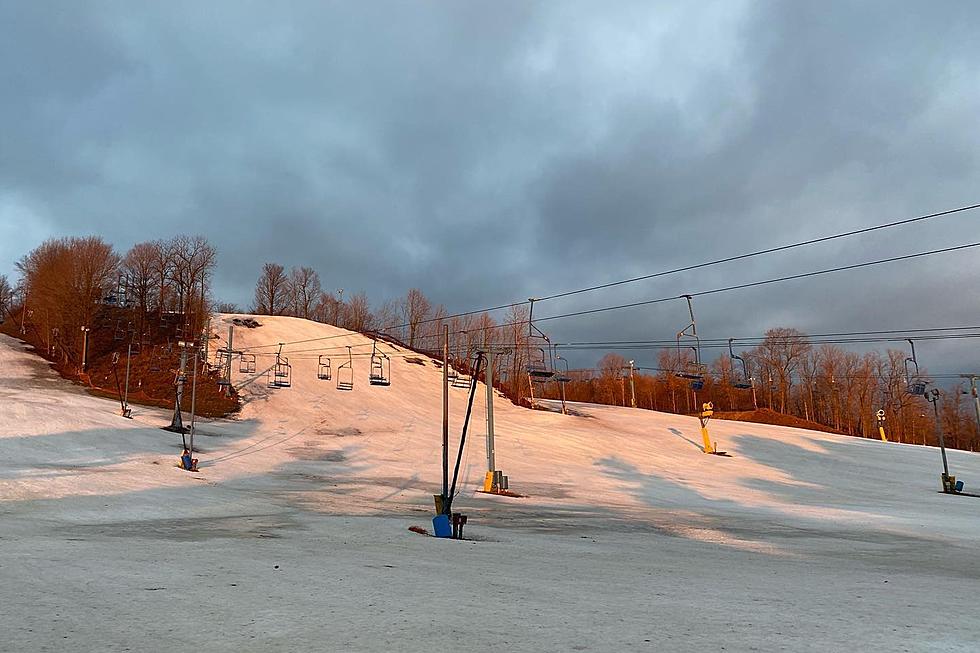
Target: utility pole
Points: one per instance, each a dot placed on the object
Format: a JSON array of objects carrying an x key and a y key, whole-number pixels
[
  {"x": 976, "y": 398},
  {"x": 632, "y": 387},
  {"x": 23, "y": 314},
  {"x": 177, "y": 423},
  {"x": 127, "y": 412},
  {"x": 207, "y": 337},
  {"x": 491, "y": 463},
  {"x": 85, "y": 331},
  {"x": 445, "y": 421},
  {"x": 933, "y": 398},
  {"x": 193, "y": 402}
]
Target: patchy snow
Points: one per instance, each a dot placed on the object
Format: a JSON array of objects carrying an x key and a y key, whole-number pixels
[{"x": 630, "y": 538}]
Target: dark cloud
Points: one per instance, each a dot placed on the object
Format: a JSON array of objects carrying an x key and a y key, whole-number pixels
[{"x": 490, "y": 152}]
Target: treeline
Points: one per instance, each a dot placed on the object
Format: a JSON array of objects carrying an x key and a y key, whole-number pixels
[
  {"x": 822, "y": 384},
  {"x": 413, "y": 319},
  {"x": 69, "y": 285},
  {"x": 159, "y": 291},
  {"x": 839, "y": 389}
]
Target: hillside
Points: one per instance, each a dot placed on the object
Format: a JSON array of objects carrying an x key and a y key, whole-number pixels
[{"x": 304, "y": 499}]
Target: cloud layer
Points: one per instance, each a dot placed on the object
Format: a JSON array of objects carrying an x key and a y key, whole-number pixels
[{"x": 488, "y": 152}]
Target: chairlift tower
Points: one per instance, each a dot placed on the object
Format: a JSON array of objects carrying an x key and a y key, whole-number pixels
[
  {"x": 228, "y": 351},
  {"x": 494, "y": 482}
]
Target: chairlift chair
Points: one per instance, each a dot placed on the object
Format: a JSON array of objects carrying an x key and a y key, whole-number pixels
[
  {"x": 155, "y": 359},
  {"x": 246, "y": 364},
  {"x": 695, "y": 371},
  {"x": 742, "y": 382},
  {"x": 380, "y": 373},
  {"x": 283, "y": 375},
  {"x": 540, "y": 365},
  {"x": 282, "y": 366},
  {"x": 537, "y": 367},
  {"x": 323, "y": 371},
  {"x": 345, "y": 372},
  {"x": 916, "y": 384}
]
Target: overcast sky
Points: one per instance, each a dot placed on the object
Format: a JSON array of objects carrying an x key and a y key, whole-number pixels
[{"x": 486, "y": 152}]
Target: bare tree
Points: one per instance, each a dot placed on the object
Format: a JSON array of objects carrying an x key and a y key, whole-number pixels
[
  {"x": 304, "y": 290},
  {"x": 416, "y": 309},
  {"x": 227, "y": 307},
  {"x": 515, "y": 335},
  {"x": 67, "y": 280},
  {"x": 781, "y": 351},
  {"x": 272, "y": 290},
  {"x": 358, "y": 312},
  {"x": 140, "y": 265},
  {"x": 6, "y": 297},
  {"x": 385, "y": 317}
]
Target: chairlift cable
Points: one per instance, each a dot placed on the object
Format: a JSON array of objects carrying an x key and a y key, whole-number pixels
[
  {"x": 729, "y": 259},
  {"x": 752, "y": 284},
  {"x": 769, "y": 250}
]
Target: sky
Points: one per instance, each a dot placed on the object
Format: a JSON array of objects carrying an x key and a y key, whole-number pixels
[{"x": 489, "y": 152}]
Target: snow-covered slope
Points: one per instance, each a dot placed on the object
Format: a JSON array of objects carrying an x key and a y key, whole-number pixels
[
  {"x": 629, "y": 538},
  {"x": 381, "y": 446}
]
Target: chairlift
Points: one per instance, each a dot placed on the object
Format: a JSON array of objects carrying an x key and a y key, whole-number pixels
[
  {"x": 246, "y": 364},
  {"x": 562, "y": 379},
  {"x": 743, "y": 382},
  {"x": 282, "y": 371},
  {"x": 282, "y": 366},
  {"x": 916, "y": 384},
  {"x": 323, "y": 371},
  {"x": 540, "y": 365},
  {"x": 380, "y": 373},
  {"x": 694, "y": 371},
  {"x": 345, "y": 372},
  {"x": 282, "y": 375},
  {"x": 537, "y": 366},
  {"x": 155, "y": 359}
]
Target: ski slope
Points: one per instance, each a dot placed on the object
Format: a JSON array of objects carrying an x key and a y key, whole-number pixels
[{"x": 294, "y": 535}]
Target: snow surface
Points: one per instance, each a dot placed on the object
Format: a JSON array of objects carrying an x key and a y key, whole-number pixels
[{"x": 294, "y": 535}]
